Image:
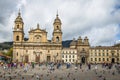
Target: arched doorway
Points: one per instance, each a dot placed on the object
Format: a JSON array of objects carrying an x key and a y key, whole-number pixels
[
  {"x": 83, "y": 60},
  {"x": 113, "y": 60},
  {"x": 37, "y": 58},
  {"x": 48, "y": 58},
  {"x": 26, "y": 58}
]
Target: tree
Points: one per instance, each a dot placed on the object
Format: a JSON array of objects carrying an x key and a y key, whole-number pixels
[{"x": 10, "y": 52}]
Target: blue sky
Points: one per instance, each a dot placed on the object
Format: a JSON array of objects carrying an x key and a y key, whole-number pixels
[{"x": 97, "y": 19}]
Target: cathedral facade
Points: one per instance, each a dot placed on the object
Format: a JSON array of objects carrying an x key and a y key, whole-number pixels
[{"x": 39, "y": 49}]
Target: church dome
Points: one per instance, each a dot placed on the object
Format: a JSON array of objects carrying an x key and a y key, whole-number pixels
[
  {"x": 19, "y": 18},
  {"x": 57, "y": 20},
  {"x": 79, "y": 38},
  {"x": 86, "y": 37}
]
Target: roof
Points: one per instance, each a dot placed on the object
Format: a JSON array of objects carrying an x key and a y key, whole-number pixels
[
  {"x": 1, "y": 54},
  {"x": 37, "y": 30},
  {"x": 19, "y": 18},
  {"x": 57, "y": 20}
]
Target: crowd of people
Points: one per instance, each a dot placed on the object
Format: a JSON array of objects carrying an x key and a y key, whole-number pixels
[{"x": 51, "y": 67}]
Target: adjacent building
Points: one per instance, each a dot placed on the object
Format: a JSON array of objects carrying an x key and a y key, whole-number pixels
[{"x": 69, "y": 55}]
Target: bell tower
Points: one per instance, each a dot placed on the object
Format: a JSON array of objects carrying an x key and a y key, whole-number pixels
[
  {"x": 18, "y": 31},
  {"x": 57, "y": 32}
]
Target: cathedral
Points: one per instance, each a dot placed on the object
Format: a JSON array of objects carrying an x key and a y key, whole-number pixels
[{"x": 39, "y": 49}]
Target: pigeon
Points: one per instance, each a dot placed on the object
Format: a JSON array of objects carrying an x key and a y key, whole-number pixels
[
  {"x": 37, "y": 76},
  {"x": 104, "y": 78},
  {"x": 73, "y": 78},
  {"x": 113, "y": 73}
]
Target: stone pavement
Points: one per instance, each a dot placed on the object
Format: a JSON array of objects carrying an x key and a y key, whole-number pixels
[{"x": 43, "y": 73}]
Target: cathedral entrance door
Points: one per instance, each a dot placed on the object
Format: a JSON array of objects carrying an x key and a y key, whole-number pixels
[
  {"x": 37, "y": 58},
  {"x": 26, "y": 58},
  {"x": 83, "y": 60},
  {"x": 48, "y": 58}
]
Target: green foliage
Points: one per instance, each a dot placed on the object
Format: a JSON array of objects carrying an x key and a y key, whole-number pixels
[
  {"x": 6, "y": 45},
  {"x": 10, "y": 52}
]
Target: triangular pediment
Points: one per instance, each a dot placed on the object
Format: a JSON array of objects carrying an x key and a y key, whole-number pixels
[{"x": 37, "y": 31}]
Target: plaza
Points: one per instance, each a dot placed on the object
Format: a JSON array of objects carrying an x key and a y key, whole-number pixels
[{"x": 43, "y": 72}]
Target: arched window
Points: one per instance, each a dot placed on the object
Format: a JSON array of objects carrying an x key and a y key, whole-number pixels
[
  {"x": 17, "y": 38},
  {"x": 17, "y": 26},
  {"x": 83, "y": 49},
  {"x": 17, "y": 53},
  {"x": 37, "y": 38},
  {"x": 57, "y": 39},
  {"x": 57, "y": 27}
]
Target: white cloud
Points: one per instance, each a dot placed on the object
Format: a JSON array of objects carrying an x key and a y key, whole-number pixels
[{"x": 92, "y": 18}]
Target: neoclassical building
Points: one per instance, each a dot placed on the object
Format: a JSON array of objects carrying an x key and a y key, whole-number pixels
[
  {"x": 97, "y": 54},
  {"x": 39, "y": 49}
]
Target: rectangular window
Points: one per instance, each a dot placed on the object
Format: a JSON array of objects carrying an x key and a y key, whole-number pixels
[
  {"x": 73, "y": 60},
  {"x": 99, "y": 54},
  {"x": 107, "y": 59},
  {"x": 91, "y": 59},
  {"x": 66, "y": 56},
  {"x": 117, "y": 54},
  {"x": 107, "y": 54},
  {"x": 65, "y": 51},
  {"x": 95, "y": 54},
  {"x": 73, "y": 56},
  {"x": 69, "y": 60},
  {"x": 103, "y": 54},
  {"x": 95, "y": 59},
  {"x": 66, "y": 60},
  {"x": 99, "y": 59},
  {"x": 91, "y": 54},
  {"x": 117, "y": 59},
  {"x": 103, "y": 59},
  {"x": 73, "y": 52},
  {"x": 69, "y": 56},
  {"x": 62, "y": 56},
  {"x": 112, "y": 54}
]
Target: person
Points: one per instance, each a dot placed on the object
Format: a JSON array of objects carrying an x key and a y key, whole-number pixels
[
  {"x": 76, "y": 65},
  {"x": 80, "y": 65},
  {"x": 33, "y": 65},
  {"x": 26, "y": 67},
  {"x": 67, "y": 65},
  {"x": 89, "y": 66},
  {"x": 96, "y": 67}
]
